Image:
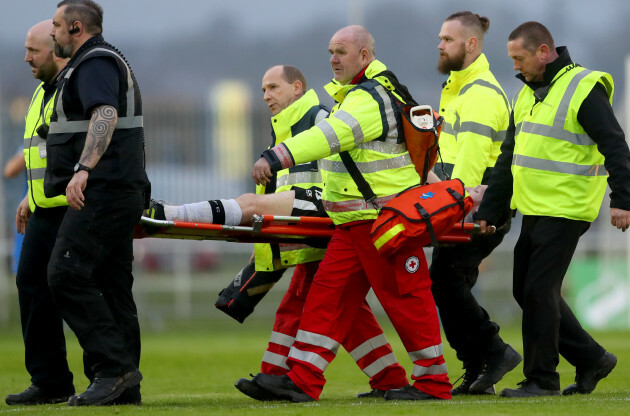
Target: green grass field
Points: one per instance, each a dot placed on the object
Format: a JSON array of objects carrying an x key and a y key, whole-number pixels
[{"x": 191, "y": 369}]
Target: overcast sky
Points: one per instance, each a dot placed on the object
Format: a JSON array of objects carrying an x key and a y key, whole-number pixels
[
  {"x": 150, "y": 19},
  {"x": 158, "y": 19},
  {"x": 596, "y": 31}
]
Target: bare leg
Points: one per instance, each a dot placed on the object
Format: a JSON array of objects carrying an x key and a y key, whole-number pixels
[{"x": 273, "y": 204}]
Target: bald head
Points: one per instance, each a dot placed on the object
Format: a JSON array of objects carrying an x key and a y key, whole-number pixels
[
  {"x": 351, "y": 49},
  {"x": 359, "y": 36},
  {"x": 39, "y": 52},
  {"x": 41, "y": 33}
]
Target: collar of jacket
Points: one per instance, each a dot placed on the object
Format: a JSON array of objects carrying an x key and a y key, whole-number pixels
[
  {"x": 94, "y": 40},
  {"x": 294, "y": 112},
  {"x": 50, "y": 85},
  {"x": 551, "y": 69},
  {"x": 338, "y": 92},
  {"x": 458, "y": 79}
]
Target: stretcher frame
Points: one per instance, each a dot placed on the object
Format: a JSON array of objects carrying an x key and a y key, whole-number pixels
[{"x": 270, "y": 229}]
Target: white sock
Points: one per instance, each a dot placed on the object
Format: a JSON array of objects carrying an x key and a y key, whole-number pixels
[
  {"x": 233, "y": 212},
  {"x": 205, "y": 212},
  {"x": 171, "y": 212},
  {"x": 195, "y": 212}
]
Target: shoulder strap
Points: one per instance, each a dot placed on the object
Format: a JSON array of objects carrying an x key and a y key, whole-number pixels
[
  {"x": 400, "y": 89},
  {"x": 355, "y": 173},
  {"x": 351, "y": 166}
]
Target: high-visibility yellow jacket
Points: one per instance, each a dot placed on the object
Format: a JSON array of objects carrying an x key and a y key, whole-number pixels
[
  {"x": 35, "y": 151},
  {"x": 476, "y": 115},
  {"x": 297, "y": 117},
  {"x": 363, "y": 123},
  {"x": 556, "y": 166}
]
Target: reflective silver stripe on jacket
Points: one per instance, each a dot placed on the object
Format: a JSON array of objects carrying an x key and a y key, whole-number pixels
[
  {"x": 560, "y": 134},
  {"x": 331, "y": 136},
  {"x": 128, "y": 121},
  {"x": 557, "y": 131},
  {"x": 35, "y": 94},
  {"x": 317, "y": 340},
  {"x": 426, "y": 353},
  {"x": 36, "y": 174},
  {"x": 281, "y": 339},
  {"x": 482, "y": 130},
  {"x": 380, "y": 364},
  {"x": 357, "y": 132},
  {"x": 560, "y": 167},
  {"x": 419, "y": 371},
  {"x": 392, "y": 134},
  {"x": 294, "y": 178},
  {"x": 473, "y": 127},
  {"x": 34, "y": 141},
  {"x": 486, "y": 84},
  {"x": 368, "y": 346},
  {"x": 448, "y": 129},
  {"x": 353, "y": 123},
  {"x": 477, "y": 128},
  {"x": 275, "y": 359},
  {"x": 384, "y": 147},
  {"x": 337, "y": 166},
  {"x": 321, "y": 115},
  {"x": 309, "y": 357},
  {"x": 80, "y": 126},
  {"x": 355, "y": 204}
]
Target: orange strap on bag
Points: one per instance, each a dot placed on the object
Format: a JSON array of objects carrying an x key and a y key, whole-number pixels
[{"x": 420, "y": 215}]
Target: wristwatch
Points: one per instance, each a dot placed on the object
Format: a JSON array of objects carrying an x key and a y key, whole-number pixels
[{"x": 79, "y": 167}]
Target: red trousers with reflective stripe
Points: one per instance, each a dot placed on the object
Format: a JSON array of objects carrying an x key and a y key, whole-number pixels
[
  {"x": 365, "y": 328},
  {"x": 403, "y": 286}
]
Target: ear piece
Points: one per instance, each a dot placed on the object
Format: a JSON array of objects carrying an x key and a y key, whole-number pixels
[{"x": 74, "y": 30}]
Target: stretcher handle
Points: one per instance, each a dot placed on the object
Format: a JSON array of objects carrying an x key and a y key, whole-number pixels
[{"x": 469, "y": 227}]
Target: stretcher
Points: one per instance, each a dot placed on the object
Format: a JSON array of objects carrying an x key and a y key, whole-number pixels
[{"x": 269, "y": 229}]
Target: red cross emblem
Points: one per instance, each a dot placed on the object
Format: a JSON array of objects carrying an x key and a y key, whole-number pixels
[{"x": 412, "y": 264}]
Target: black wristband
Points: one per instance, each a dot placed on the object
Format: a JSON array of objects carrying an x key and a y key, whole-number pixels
[
  {"x": 273, "y": 160},
  {"x": 79, "y": 167}
]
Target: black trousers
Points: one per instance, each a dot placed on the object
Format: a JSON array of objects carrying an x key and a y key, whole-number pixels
[
  {"x": 90, "y": 275},
  {"x": 467, "y": 326},
  {"x": 541, "y": 258},
  {"x": 42, "y": 325}
]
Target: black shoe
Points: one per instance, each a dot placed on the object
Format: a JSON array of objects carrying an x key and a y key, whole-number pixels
[
  {"x": 34, "y": 395},
  {"x": 408, "y": 392},
  {"x": 281, "y": 388},
  {"x": 528, "y": 388},
  {"x": 497, "y": 365},
  {"x": 473, "y": 370},
  {"x": 372, "y": 394},
  {"x": 586, "y": 379},
  {"x": 104, "y": 390},
  {"x": 155, "y": 210},
  {"x": 253, "y": 390},
  {"x": 130, "y": 396}
]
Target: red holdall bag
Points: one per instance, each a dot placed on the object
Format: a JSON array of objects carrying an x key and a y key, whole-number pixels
[{"x": 419, "y": 215}]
